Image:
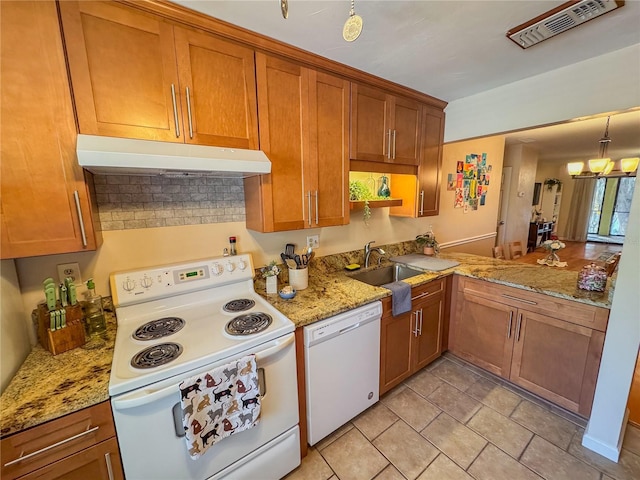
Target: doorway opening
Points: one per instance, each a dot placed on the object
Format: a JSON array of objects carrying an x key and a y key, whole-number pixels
[{"x": 610, "y": 209}]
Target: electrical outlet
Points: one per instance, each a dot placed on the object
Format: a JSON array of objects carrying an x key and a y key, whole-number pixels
[
  {"x": 313, "y": 241},
  {"x": 70, "y": 270}
]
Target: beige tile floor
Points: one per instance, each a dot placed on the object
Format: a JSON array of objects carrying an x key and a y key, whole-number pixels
[{"x": 454, "y": 421}]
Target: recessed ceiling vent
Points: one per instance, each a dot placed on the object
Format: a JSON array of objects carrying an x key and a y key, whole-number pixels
[{"x": 560, "y": 19}]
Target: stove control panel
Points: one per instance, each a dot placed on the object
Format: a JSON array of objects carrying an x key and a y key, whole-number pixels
[{"x": 145, "y": 284}]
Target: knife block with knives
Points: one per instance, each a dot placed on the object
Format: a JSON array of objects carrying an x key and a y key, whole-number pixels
[{"x": 60, "y": 323}]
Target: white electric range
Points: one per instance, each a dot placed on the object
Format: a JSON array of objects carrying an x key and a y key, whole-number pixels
[{"x": 180, "y": 320}]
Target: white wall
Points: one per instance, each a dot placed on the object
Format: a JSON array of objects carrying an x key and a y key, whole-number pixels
[
  {"x": 607, "y": 424},
  {"x": 606, "y": 83},
  {"x": 524, "y": 161},
  {"x": 13, "y": 330}
]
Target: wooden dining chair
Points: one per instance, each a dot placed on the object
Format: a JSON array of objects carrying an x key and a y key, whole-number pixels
[
  {"x": 498, "y": 252},
  {"x": 515, "y": 250},
  {"x": 612, "y": 263}
]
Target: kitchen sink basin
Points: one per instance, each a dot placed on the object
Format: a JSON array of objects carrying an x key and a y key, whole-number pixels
[{"x": 388, "y": 274}]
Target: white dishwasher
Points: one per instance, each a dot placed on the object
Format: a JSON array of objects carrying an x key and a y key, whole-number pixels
[{"x": 342, "y": 364}]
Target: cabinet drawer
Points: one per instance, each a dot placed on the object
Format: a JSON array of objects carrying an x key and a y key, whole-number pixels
[
  {"x": 419, "y": 293},
  {"x": 573, "y": 312},
  {"x": 54, "y": 440}
]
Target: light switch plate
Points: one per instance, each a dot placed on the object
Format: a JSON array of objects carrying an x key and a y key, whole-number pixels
[{"x": 70, "y": 270}]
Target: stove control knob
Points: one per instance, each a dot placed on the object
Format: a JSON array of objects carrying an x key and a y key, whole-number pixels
[
  {"x": 230, "y": 266},
  {"x": 217, "y": 269},
  {"x": 242, "y": 265},
  {"x": 146, "y": 282},
  {"x": 128, "y": 284}
]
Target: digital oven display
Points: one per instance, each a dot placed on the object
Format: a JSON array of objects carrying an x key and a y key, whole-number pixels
[{"x": 190, "y": 275}]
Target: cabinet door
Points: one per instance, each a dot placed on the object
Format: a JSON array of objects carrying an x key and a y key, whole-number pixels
[
  {"x": 220, "y": 108},
  {"x": 482, "y": 333},
  {"x": 557, "y": 360},
  {"x": 100, "y": 462},
  {"x": 123, "y": 65},
  {"x": 429, "y": 170},
  {"x": 40, "y": 174},
  {"x": 327, "y": 171},
  {"x": 277, "y": 201},
  {"x": 396, "y": 338},
  {"x": 428, "y": 342},
  {"x": 406, "y": 131},
  {"x": 370, "y": 124}
]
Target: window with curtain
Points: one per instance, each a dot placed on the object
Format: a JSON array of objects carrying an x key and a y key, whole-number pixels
[{"x": 615, "y": 211}]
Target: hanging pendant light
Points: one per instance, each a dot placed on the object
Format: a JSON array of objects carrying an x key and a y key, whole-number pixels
[{"x": 353, "y": 26}]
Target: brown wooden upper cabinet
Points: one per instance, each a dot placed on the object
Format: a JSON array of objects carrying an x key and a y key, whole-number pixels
[
  {"x": 384, "y": 127},
  {"x": 304, "y": 125},
  {"x": 136, "y": 75},
  {"x": 45, "y": 207}
]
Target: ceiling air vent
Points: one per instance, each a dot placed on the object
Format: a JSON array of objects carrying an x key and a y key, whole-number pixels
[{"x": 560, "y": 19}]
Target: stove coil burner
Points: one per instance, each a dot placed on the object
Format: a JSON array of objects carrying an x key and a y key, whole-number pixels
[
  {"x": 156, "y": 355},
  {"x": 239, "y": 305},
  {"x": 248, "y": 324},
  {"x": 162, "y": 327}
]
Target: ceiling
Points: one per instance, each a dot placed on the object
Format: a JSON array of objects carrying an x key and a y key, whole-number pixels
[{"x": 452, "y": 49}]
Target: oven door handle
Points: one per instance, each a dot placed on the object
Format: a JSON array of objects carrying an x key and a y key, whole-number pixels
[{"x": 280, "y": 345}]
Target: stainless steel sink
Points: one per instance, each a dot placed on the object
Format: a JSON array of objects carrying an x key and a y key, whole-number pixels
[{"x": 388, "y": 274}]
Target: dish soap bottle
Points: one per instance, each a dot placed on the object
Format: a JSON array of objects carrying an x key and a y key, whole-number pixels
[{"x": 94, "y": 315}]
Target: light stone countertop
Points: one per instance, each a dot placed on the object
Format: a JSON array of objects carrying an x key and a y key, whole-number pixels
[{"x": 47, "y": 387}]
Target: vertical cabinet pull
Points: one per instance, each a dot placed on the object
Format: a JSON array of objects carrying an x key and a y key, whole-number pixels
[
  {"x": 415, "y": 330},
  {"x": 107, "y": 459},
  {"x": 394, "y": 145},
  {"x": 189, "y": 113},
  {"x": 175, "y": 110},
  {"x": 389, "y": 143},
  {"x": 420, "y": 327},
  {"x": 518, "y": 325},
  {"x": 309, "y": 205},
  {"x": 421, "y": 202},
  {"x": 510, "y": 320},
  {"x": 317, "y": 214},
  {"x": 80, "y": 219}
]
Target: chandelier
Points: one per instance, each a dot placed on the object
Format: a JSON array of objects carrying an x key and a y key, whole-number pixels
[{"x": 603, "y": 166}]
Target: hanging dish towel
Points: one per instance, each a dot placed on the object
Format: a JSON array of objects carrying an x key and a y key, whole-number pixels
[
  {"x": 219, "y": 403},
  {"x": 401, "y": 298}
]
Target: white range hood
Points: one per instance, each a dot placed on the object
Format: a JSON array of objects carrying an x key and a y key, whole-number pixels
[{"x": 125, "y": 156}]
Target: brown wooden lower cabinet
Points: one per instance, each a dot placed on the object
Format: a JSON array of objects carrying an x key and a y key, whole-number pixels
[
  {"x": 549, "y": 346},
  {"x": 81, "y": 445},
  {"x": 410, "y": 341}
]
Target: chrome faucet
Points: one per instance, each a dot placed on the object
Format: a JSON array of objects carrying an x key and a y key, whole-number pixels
[{"x": 367, "y": 253}]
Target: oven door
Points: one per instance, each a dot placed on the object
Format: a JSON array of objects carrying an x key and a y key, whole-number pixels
[{"x": 148, "y": 433}]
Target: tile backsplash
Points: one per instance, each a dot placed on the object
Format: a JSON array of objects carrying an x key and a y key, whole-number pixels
[{"x": 132, "y": 201}]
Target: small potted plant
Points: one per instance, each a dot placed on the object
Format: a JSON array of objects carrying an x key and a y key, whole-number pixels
[
  {"x": 270, "y": 275},
  {"x": 428, "y": 243}
]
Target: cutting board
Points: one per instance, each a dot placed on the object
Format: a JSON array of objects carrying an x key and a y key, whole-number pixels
[{"x": 425, "y": 262}]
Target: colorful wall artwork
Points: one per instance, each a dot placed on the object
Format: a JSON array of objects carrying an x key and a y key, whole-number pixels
[{"x": 470, "y": 182}]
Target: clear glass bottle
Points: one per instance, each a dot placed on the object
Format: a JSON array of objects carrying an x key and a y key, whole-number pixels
[
  {"x": 94, "y": 314},
  {"x": 232, "y": 246}
]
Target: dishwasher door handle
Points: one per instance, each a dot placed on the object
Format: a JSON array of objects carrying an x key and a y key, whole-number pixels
[{"x": 349, "y": 328}]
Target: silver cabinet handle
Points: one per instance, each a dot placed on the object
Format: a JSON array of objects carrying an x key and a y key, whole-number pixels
[
  {"x": 189, "y": 113},
  {"x": 510, "y": 320},
  {"x": 175, "y": 110},
  {"x": 394, "y": 145},
  {"x": 420, "y": 327},
  {"x": 309, "y": 201},
  {"x": 80, "y": 219},
  {"x": 511, "y": 297},
  {"x": 107, "y": 459},
  {"x": 317, "y": 215},
  {"x": 415, "y": 331},
  {"x": 421, "y": 202},
  {"x": 518, "y": 327},
  {"x": 46, "y": 449},
  {"x": 389, "y": 143}
]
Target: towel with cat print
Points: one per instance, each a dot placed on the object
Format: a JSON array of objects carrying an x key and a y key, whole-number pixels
[{"x": 219, "y": 403}]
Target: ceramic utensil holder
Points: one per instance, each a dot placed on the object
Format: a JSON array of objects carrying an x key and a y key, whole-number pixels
[{"x": 299, "y": 278}]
